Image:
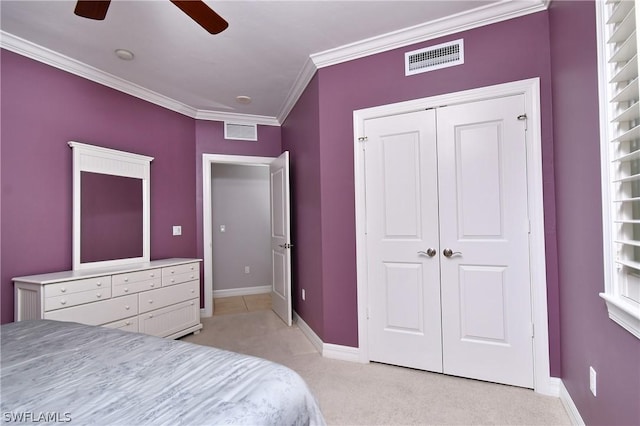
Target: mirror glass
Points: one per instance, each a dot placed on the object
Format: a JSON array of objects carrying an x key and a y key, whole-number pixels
[
  {"x": 110, "y": 217},
  {"x": 110, "y": 207}
]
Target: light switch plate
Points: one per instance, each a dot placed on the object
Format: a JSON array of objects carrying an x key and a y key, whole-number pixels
[{"x": 177, "y": 230}]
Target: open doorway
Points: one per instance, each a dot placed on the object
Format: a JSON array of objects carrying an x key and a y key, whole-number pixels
[{"x": 246, "y": 230}]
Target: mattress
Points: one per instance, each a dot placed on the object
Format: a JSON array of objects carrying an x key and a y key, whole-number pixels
[{"x": 66, "y": 372}]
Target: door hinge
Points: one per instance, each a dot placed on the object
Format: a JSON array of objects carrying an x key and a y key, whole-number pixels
[
  {"x": 533, "y": 330},
  {"x": 523, "y": 117}
]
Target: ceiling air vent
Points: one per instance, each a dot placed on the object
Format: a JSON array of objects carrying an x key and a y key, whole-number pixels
[
  {"x": 434, "y": 58},
  {"x": 243, "y": 132}
]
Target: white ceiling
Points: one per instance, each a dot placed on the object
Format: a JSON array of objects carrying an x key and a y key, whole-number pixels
[{"x": 269, "y": 52}]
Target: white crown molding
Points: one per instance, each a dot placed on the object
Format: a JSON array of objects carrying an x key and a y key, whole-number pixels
[
  {"x": 481, "y": 16},
  {"x": 41, "y": 54},
  {"x": 236, "y": 118},
  {"x": 497, "y": 12},
  {"x": 304, "y": 77}
]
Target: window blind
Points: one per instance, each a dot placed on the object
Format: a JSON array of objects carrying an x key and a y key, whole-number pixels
[{"x": 621, "y": 54}]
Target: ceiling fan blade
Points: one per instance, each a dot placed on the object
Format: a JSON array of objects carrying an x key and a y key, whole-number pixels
[
  {"x": 203, "y": 15},
  {"x": 92, "y": 9}
]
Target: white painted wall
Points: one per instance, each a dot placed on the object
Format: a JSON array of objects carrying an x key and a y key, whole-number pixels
[{"x": 240, "y": 203}]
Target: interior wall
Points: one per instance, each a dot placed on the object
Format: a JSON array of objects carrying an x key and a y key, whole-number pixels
[
  {"x": 589, "y": 338},
  {"x": 209, "y": 139},
  {"x": 42, "y": 108},
  {"x": 512, "y": 50},
  {"x": 240, "y": 203}
]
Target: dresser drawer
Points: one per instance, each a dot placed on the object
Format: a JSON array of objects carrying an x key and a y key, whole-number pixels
[
  {"x": 121, "y": 289},
  {"x": 185, "y": 268},
  {"x": 131, "y": 277},
  {"x": 77, "y": 286},
  {"x": 180, "y": 278},
  {"x": 98, "y": 313},
  {"x": 165, "y": 296},
  {"x": 170, "y": 319},
  {"x": 73, "y": 299},
  {"x": 127, "y": 324}
]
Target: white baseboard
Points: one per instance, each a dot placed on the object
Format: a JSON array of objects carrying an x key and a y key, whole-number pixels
[
  {"x": 327, "y": 350},
  {"x": 308, "y": 332},
  {"x": 572, "y": 410},
  {"x": 244, "y": 291}
]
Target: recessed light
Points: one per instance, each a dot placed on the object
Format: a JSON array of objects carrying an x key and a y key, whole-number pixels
[
  {"x": 124, "y": 54},
  {"x": 244, "y": 100}
]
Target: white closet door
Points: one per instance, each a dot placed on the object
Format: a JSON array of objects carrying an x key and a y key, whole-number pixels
[
  {"x": 402, "y": 225},
  {"x": 485, "y": 284}
]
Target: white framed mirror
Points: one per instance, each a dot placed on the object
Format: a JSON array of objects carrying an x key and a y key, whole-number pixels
[{"x": 111, "y": 207}]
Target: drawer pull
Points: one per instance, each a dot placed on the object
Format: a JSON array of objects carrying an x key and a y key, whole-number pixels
[
  {"x": 152, "y": 275},
  {"x": 191, "y": 303},
  {"x": 127, "y": 307},
  {"x": 173, "y": 272},
  {"x": 127, "y": 323},
  {"x": 99, "y": 295},
  {"x": 150, "y": 301},
  {"x": 63, "y": 290},
  {"x": 150, "y": 315},
  {"x": 126, "y": 290},
  {"x": 193, "y": 291},
  {"x": 63, "y": 302},
  {"x": 126, "y": 280},
  {"x": 172, "y": 280},
  {"x": 152, "y": 285},
  {"x": 99, "y": 284},
  {"x": 193, "y": 276}
]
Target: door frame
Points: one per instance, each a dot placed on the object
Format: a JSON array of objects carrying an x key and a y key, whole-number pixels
[
  {"x": 530, "y": 88},
  {"x": 208, "y": 160}
]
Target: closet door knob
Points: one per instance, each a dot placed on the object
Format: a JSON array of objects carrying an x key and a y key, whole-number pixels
[
  {"x": 448, "y": 252},
  {"x": 430, "y": 252}
]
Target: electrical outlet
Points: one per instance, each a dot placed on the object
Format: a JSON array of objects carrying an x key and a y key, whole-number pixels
[
  {"x": 592, "y": 380},
  {"x": 247, "y": 270},
  {"x": 304, "y": 295}
]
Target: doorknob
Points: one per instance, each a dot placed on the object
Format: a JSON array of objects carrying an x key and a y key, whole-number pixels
[
  {"x": 448, "y": 252},
  {"x": 430, "y": 252},
  {"x": 286, "y": 245}
]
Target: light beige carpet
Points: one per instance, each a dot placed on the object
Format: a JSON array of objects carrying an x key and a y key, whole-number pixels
[{"x": 376, "y": 394}]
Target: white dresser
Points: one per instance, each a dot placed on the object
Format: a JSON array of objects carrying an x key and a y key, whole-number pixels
[{"x": 161, "y": 297}]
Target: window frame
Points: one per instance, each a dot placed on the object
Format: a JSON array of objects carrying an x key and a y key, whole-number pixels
[{"x": 622, "y": 310}]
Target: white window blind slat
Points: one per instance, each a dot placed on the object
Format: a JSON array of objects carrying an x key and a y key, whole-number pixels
[{"x": 620, "y": 123}]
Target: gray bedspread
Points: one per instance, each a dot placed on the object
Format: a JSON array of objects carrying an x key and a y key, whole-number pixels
[{"x": 68, "y": 372}]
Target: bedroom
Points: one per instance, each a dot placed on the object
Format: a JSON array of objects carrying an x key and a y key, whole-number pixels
[{"x": 43, "y": 108}]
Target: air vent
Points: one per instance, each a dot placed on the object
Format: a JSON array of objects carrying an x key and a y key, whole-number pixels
[
  {"x": 434, "y": 58},
  {"x": 243, "y": 132}
]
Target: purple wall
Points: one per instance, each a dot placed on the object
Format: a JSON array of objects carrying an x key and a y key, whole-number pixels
[
  {"x": 42, "y": 109},
  {"x": 301, "y": 136},
  {"x": 588, "y": 336},
  {"x": 493, "y": 54}
]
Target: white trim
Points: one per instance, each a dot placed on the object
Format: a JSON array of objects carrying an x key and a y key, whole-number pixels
[
  {"x": 96, "y": 159},
  {"x": 485, "y": 15},
  {"x": 243, "y": 291},
  {"x": 531, "y": 90},
  {"x": 570, "y": 406},
  {"x": 207, "y": 237},
  {"x": 308, "y": 332},
  {"x": 327, "y": 350}
]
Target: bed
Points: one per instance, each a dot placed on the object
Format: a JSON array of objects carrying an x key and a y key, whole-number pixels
[{"x": 67, "y": 372}]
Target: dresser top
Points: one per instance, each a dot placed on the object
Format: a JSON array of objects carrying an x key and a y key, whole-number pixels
[{"x": 54, "y": 277}]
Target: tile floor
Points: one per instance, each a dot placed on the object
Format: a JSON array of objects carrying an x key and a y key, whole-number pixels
[{"x": 239, "y": 304}]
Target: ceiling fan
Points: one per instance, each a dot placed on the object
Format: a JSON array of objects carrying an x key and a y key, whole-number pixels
[{"x": 196, "y": 9}]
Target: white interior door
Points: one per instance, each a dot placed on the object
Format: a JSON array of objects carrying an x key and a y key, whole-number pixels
[
  {"x": 485, "y": 284},
  {"x": 402, "y": 241},
  {"x": 281, "y": 237},
  {"x": 450, "y": 179}
]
